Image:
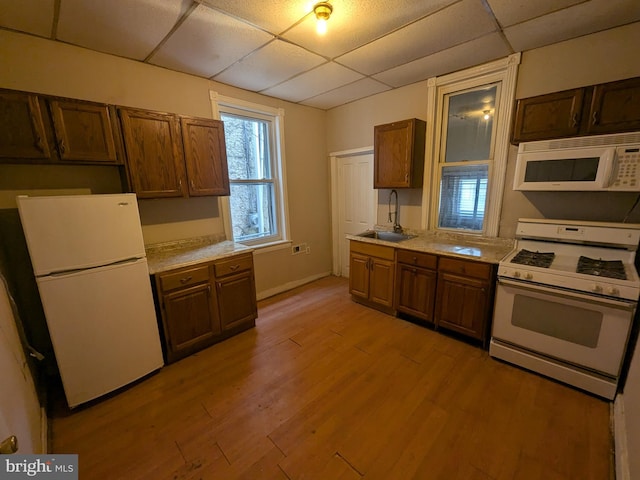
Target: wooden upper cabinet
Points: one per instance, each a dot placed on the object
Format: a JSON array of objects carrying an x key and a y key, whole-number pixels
[
  {"x": 205, "y": 156},
  {"x": 615, "y": 107},
  {"x": 612, "y": 107},
  {"x": 83, "y": 131},
  {"x": 548, "y": 116},
  {"x": 154, "y": 153},
  {"x": 22, "y": 130},
  {"x": 399, "y": 154}
]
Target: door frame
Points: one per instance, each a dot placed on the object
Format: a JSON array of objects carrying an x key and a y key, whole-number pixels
[{"x": 335, "y": 206}]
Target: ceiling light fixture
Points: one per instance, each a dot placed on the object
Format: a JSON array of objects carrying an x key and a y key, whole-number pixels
[{"x": 322, "y": 11}]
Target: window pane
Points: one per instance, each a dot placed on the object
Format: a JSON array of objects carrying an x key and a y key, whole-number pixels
[
  {"x": 470, "y": 124},
  {"x": 463, "y": 193},
  {"x": 252, "y": 207},
  {"x": 247, "y": 142}
]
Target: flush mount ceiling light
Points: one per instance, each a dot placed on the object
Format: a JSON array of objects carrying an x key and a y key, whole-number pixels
[{"x": 322, "y": 11}]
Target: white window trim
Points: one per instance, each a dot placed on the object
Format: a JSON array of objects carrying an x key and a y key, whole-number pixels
[
  {"x": 280, "y": 170},
  {"x": 503, "y": 70}
]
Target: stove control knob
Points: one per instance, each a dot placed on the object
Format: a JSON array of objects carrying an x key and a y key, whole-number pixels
[
  {"x": 528, "y": 276},
  {"x": 613, "y": 291},
  {"x": 595, "y": 288},
  {"x": 516, "y": 274}
]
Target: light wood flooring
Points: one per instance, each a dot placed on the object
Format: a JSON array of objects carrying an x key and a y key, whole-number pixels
[{"x": 324, "y": 388}]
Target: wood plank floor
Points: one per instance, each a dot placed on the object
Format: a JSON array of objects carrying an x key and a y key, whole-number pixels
[{"x": 324, "y": 388}]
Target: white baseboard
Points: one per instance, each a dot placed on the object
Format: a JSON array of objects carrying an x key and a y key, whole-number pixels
[
  {"x": 288, "y": 286},
  {"x": 620, "y": 439}
]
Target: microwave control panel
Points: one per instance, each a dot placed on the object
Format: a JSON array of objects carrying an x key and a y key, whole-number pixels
[{"x": 626, "y": 176}]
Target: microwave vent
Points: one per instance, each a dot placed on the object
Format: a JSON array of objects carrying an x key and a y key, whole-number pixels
[{"x": 614, "y": 140}]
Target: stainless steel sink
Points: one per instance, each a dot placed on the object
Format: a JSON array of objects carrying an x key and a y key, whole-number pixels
[{"x": 386, "y": 236}]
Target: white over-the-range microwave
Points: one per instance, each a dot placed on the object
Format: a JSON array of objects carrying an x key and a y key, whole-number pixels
[{"x": 594, "y": 163}]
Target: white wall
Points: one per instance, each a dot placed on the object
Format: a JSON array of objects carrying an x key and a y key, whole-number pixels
[{"x": 20, "y": 412}]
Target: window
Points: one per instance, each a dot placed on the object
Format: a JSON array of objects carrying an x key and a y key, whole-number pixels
[
  {"x": 254, "y": 146},
  {"x": 464, "y": 165},
  {"x": 471, "y": 115}
]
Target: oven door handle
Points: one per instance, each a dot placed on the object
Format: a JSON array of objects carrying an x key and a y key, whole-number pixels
[{"x": 622, "y": 304}]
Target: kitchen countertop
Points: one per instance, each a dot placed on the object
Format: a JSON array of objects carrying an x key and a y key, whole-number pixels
[
  {"x": 162, "y": 257},
  {"x": 485, "y": 249}
]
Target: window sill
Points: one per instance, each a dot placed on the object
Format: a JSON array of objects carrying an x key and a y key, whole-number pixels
[{"x": 269, "y": 247}]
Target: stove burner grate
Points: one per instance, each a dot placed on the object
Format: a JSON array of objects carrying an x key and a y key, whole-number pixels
[
  {"x": 534, "y": 259},
  {"x": 601, "y": 268}
]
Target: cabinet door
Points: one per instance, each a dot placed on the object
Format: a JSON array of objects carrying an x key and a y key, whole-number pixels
[
  {"x": 154, "y": 153},
  {"x": 416, "y": 291},
  {"x": 615, "y": 107},
  {"x": 548, "y": 116},
  {"x": 381, "y": 281},
  {"x": 359, "y": 275},
  {"x": 237, "y": 300},
  {"x": 205, "y": 156},
  {"x": 399, "y": 154},
  {"x": 462, "y": 304},
  {"x": 22, "y": 131},
  {"x": 190, "y": 320},
  {"x": 83, "y": 131}
]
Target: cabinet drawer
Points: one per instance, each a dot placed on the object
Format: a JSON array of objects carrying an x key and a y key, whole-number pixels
[
  {"x": 184, "y": 278},
  {"x": 373, "y": 250},
  {"x": 233, "y": 265},
  {"x": 463, "y": 267},
  {"x": 417, "y": 259}
]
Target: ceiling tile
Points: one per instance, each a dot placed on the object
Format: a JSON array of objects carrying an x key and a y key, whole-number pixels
[
  {"x": 589, "y": 17},
  {"x": 453, "y": 25},
  {"x": 272, "y": 64},
  {"x": 31, "y": 16},
  {"x": 348, "y": 93},
  {"x": 510, "y": 12},
  {"x": 275, "y": 16},
  {"x": 129, "y": 28},
  {"x": 354, "y": 23},
  {"x": 207, "y": 42},
  {"x": 314, "y": 82},
  {"x": 481, "y": 50}
]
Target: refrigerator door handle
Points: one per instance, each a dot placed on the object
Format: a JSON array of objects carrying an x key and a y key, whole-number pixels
[{"x": 62, "y": 273}]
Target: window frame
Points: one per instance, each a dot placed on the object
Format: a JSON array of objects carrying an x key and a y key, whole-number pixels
[
  {"x": 233, "y": 106},
  {"x": 501, "y": 71}
]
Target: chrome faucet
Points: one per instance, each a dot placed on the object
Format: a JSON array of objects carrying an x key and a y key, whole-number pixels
[{"x": 393, "y": 216}]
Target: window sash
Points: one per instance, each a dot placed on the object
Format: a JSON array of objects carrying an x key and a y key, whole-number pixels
[{"x": 268, "y": 201}]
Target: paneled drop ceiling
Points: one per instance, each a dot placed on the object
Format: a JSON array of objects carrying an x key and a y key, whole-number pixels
[{"x": 271, "y": 47}]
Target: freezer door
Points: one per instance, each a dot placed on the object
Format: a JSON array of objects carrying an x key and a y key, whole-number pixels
[
  {"x": 80, "y": 231},
  {"x": 103, "y": 328}
]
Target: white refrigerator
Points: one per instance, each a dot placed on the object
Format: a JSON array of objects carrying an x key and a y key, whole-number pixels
[{"x": 90, "y": 265}]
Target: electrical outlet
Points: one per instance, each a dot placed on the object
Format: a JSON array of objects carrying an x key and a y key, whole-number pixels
[{"x": 301, "y": 248}]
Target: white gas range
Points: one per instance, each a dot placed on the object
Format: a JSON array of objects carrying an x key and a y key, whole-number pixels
[{"x": 566, "y": 299}]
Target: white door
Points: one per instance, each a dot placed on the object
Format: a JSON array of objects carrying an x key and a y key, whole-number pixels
[
  {"x": 20, "y": 412},
  {"x": 356, "y": 202}
]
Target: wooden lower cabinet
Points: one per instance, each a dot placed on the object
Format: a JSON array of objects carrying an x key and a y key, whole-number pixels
[
  {"x": 372, "y": 275},
  {"x": 205, "y": 304},
  {"x": 464, "y": 297},
  {"x": 236, "y": 292},
  {"x": 416, "y": 279}
]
